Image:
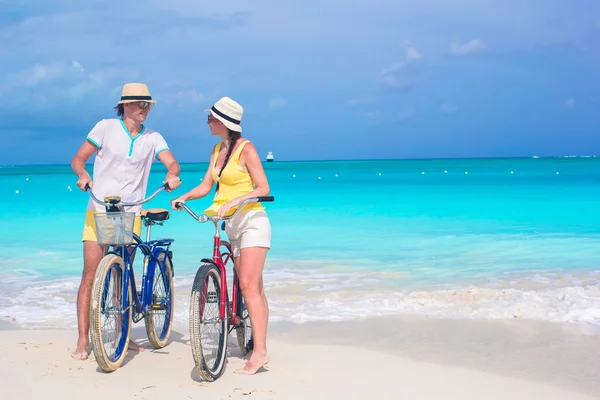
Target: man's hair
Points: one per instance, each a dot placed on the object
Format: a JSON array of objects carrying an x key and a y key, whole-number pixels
[{"x": 119, "y": 108}]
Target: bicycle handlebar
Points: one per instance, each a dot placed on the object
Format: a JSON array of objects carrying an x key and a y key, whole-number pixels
[
  {"x": 205, "y": 218},
  {"x": 116, "y": 201}
]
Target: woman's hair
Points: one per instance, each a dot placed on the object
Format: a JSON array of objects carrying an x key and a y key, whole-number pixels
[
  {"x": 119, "y": 108},
  {"x": 233, "y": 138}
]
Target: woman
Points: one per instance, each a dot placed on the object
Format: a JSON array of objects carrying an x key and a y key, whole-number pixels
[{"x": 236, "y": 168}]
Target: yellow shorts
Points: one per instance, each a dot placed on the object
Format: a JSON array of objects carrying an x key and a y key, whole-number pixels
[{"x": 89, "y": 227}]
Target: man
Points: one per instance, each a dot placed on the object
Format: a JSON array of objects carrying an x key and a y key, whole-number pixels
[{"x": 125, "y": 152}]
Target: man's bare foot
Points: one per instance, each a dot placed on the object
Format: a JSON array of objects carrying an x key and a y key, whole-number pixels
[
  {"x": 255, "y": 363},
  {"x": 134, "y": 346},
  {"x": 80, "y": 352}
]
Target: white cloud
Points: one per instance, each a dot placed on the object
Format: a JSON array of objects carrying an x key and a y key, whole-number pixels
[
  {"x": 449, "y": 109},
  {"x": 412, "y": 54},
  {"x": 401, "y": 75},
  {"x": 398, "y": 76},
  {"x": 40, "y": 73},
  {"x": 111, "y": 74},
  {"x": 60, "y": 82},
  {"x": 77, "y": 65},
  {"x": 474, "y": 46},
  {"x": 570, "y": 103},
  {"x": 44, "y": 73},
  {"x": 277, "y": 102}
]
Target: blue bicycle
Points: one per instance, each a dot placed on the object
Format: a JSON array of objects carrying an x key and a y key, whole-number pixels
[{"x": 115, "y": 301}]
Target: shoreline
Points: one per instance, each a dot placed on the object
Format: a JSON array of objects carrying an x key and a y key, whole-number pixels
[
  {"x": 378, "y": 357},
  {"x": 302, "y": 295}
]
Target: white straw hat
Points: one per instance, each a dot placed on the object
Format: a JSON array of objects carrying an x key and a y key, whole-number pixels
[
  {"x": 134, "y": 92},
  {"x": 229, "y": 112}
]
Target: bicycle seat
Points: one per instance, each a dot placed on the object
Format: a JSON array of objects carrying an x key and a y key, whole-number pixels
[{"x": 156, "y": 214}]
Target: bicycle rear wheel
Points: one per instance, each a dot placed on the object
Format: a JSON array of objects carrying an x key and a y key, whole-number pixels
[
  {"x": 110, "y": 321},
  {"x": 159, "y": 316},
  {"x": 208, "y": 332},
  {"x": 244, "y": 329}
]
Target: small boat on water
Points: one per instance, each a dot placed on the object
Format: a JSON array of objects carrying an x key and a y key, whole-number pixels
[{"x": 270, "y": 157}]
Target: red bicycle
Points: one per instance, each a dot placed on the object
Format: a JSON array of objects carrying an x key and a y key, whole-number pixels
[{"x": 212, "y": 315}]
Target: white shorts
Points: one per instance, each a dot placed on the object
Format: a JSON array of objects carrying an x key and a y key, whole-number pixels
[{"x": 248, "y": 229}]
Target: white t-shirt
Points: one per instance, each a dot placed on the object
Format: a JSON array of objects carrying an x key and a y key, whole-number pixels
[{"x": 123, "y": 163}]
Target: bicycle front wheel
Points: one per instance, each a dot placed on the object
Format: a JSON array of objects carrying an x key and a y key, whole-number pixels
[
  {"x": 208, "y": 331},
  {"x": 159, "y": 316},
  {"x": 110, "y": 313}
]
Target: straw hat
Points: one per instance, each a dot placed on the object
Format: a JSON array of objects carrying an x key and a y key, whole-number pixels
[
  {"x": 229, "y": 112},
  {"x": 133, "y": 92}
]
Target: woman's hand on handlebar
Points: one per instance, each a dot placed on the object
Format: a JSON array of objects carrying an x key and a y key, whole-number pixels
[
  {"x": 174, "y": 202},
  {"x": 227, "y": 206}
]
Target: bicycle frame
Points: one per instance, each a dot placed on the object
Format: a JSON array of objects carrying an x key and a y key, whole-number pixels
[
  {"x": 151, "y": 249},
  {"x": 217, "y": 258}
]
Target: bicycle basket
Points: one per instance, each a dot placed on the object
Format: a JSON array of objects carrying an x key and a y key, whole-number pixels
[{"x": 114, "y": 228}]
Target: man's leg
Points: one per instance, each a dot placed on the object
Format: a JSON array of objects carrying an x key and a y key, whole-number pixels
[{"x": 92, "y": 254}]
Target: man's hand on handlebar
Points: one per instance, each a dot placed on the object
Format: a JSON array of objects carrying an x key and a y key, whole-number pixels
[
  {"x": 84, "y": 181},
  {"x": 171, "y": 182}
]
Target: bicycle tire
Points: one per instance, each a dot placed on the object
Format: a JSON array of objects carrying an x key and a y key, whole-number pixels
[
  {"x": 244, "y": 329},
  {"x": 201, "y": 296},
  {"x": 160, "y": 337},
  {"x": 100, "y": 293}
]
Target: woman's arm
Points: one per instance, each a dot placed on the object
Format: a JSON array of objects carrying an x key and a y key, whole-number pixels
[
  {"x": 254, "y": 166},
  {"x": 199, "y": 191}
]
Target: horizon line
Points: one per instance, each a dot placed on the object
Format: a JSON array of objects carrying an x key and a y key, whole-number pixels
[{"x": 349, "y": 159}]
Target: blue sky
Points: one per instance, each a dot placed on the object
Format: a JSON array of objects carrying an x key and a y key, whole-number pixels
[{"x": 318, "y": 80}]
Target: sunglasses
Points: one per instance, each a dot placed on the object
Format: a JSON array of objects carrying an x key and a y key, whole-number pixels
[
  {"x": 211, "y": 119},
  {"x": 144, "y": 104}
]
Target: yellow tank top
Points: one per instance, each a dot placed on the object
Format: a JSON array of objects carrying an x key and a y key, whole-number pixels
[{"x": 234, "y": 182}]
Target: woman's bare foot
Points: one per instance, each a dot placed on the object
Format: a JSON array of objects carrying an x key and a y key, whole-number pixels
[
  {"x": 134, "y": 346},
  {"x": 81, "y": 352},
  {"x": 255, "y": 363},
  {"x": 241, "y": 360}
]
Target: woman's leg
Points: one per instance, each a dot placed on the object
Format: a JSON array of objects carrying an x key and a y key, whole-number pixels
[{"x": 249, "y": 267}]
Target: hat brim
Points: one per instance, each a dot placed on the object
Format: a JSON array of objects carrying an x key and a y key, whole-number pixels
[
  {"x": 228, "y": 124},
  {"x": 136, "y": 101}
]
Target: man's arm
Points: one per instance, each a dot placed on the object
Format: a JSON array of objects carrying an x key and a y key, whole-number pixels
[
  {"x": 173, "y": 169},
  {"x": 78, "y": 164}
]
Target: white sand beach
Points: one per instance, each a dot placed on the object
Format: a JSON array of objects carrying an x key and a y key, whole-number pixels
[{"x": 378, "y": 358}]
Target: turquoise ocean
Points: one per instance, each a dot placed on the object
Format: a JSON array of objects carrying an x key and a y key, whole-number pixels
[{"x": 453, "y": 238}]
